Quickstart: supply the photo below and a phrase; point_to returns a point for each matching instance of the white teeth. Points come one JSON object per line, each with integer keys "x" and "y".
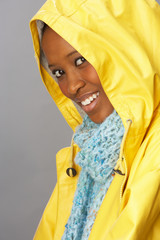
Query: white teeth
{"x": 90, "y": 99}
{"x": 87, "y": 101}
{"x": 84, "y": 103}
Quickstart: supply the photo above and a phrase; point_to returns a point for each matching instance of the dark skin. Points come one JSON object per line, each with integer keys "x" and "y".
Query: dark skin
{"x": 77, "y": 78}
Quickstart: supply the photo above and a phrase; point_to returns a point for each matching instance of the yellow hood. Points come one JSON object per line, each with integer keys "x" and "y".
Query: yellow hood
{"x": 121, "y": 39}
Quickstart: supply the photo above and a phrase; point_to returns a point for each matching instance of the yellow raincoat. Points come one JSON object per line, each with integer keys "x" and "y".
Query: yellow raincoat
{"x": 121, "y": 39}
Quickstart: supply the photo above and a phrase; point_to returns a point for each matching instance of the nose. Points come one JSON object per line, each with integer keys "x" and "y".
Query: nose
{"x": 75, "y": 82}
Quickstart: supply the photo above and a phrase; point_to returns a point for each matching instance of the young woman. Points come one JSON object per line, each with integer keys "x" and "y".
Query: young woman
{"x": 100, "y": 62}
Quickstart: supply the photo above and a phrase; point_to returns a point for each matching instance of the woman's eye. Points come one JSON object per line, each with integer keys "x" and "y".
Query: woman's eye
{"x": 58, "y": 73}
{"x": 79, "y": 61}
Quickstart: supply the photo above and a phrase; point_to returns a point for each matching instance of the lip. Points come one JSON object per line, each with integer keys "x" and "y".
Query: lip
{"x": 90, "y": 107}
{"x": 84, "y": 97}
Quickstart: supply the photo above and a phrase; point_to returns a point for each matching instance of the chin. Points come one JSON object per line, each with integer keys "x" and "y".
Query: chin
{"x": 100, "y": 117}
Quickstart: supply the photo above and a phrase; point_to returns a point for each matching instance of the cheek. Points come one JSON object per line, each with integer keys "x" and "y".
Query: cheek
{"x": 92, "y": 76}
{"x": 63, "y": 88}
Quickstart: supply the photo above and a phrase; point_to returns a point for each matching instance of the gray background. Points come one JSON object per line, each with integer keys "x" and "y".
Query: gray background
{"x": 32, "y": 129}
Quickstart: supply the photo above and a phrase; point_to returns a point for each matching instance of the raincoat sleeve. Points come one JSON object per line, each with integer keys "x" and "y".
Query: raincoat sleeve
{"x": 46, "y": 227}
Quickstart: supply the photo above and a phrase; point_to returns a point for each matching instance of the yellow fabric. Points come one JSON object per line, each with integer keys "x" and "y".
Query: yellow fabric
{"x": 121, "y": 39}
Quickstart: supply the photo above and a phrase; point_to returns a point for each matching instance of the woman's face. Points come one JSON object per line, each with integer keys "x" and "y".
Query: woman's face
{"x": 77, "y": 78}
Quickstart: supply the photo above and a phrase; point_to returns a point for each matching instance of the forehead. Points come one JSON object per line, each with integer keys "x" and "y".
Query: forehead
{"x": 54, "y": 43}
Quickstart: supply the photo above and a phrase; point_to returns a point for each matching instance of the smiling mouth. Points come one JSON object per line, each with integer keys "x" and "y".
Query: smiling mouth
{"x": 90, "y": 99}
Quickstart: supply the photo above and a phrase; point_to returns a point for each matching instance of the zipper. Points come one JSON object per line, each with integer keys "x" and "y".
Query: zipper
{"x": 124, "y": 180}
{"x": 129, "y": 122}
{"x": 119, "y": 168}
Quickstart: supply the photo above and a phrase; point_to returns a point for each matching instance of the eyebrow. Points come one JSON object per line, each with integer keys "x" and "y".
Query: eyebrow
{"x": 68, "y": 55}
{"x": 71, "y": 53}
